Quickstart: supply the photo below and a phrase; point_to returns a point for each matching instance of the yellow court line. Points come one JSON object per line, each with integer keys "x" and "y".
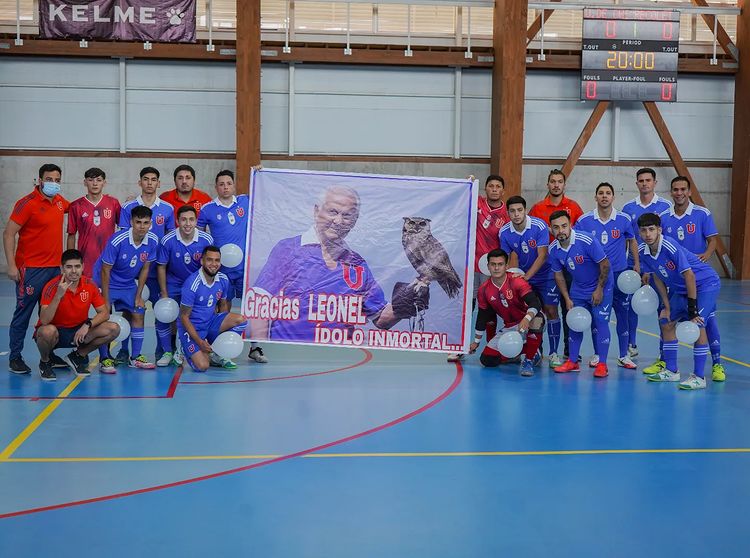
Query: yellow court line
{"x": 735, "y": 361}
{"x": 41, "y": 417}
{"x": 378, "y": 454}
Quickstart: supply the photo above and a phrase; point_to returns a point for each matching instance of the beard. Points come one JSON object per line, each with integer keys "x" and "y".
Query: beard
{"x": 209, "y": 273}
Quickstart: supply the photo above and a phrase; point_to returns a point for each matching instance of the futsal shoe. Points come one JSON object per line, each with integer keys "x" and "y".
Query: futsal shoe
{"x": 632, "y": 351}
{"x": 717, "y": 372}
{"x": 656, "y": 367}
{"x": 594, "y": 361}
{"x": 141, "y": 362}
{"x": 77, "y": 363}
{"x": 19, "y": 366}
{"x": 256, "y": 354}
{"x": 122, "y": 357}
{"x": 165, "y": 360}
{"x": 626, "y": 362}
{"x": 555, "y": 360}
{"x": 45, "y": 370}
{"x": 664, "y": 376}
{"x": 107, "y": 366}
{"x": 527, "y": 368}
{"x": 218, "y": 362}
{"x": 537, "y": 358}
{"x": 693, "y": 382}
{"x": 455, "y": 357}
{"x": 601, "y": 370}
{"x": 567, "y": 366}
{"x": 178, "y": 357}
{"x": 57, "y": 362}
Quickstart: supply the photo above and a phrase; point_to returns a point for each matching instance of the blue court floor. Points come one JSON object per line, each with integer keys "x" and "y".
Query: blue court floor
{"x": 349, "y": 453}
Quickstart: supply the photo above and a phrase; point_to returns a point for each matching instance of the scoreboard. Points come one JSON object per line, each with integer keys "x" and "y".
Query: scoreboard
{"x": 629, "y": 55}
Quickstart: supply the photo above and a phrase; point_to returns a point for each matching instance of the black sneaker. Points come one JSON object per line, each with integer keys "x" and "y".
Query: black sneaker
{"x": 78, "y": 364}
{"x": 18, "y": 366}
{"x": 45, "y": 369}
{"x": 56, "y": 361}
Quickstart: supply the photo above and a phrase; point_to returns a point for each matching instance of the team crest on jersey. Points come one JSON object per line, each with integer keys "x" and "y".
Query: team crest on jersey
{"x": 197, "y": 256}
{"x": 532, "y": 243}
{"x": 84, "y": 296}
{"x": 615, "y": 233}
{"x": 160, "y": 219}
{"x": 690, "y": 228}
{"x": 29, "y": 291}
{"x": 509, "y": 294}
{"x": 240, "y": 212}
{"x": 107, "y": 213}
{"x": 359, "y": 272}
{"x": 218, "y": 295}
{"x": 230, "y": 218}
{"x": 59, "y": 205}
{"x": 524, "y": 248}
{"x": 499, "y": 223}
{"x": 191, "y": 348}
{"x": 579, "y": 259}
{"x": 186, "y": 258}
{"x": 143, "y": 256}
{"x": 671, "y": 265}
{"x": 571, "y": 265}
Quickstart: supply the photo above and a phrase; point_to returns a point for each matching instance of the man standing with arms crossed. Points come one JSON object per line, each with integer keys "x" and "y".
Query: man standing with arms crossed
{"x": 37, "y": 220}
{"x": 93, "y": 217}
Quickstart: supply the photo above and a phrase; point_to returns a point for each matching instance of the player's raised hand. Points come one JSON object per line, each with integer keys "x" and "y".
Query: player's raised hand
{"x": 63, "y": 286}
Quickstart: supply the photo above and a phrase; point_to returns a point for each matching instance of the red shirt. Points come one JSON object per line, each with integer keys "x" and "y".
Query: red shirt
{"x": 506, "y": 301}
{"x": 197, "y": 199}
{"x": 545, "y": 208}
{"x": 95, "y": 224}
{"x": 73, "y": 309}
{"x": 40, "y": 239}
{"x": 489, "y": 223}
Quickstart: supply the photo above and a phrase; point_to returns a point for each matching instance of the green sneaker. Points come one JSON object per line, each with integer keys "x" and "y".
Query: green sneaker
{"x": 656, "y": 367}
{"x": 107, "y": 366}
{"x": 693, "y": 382}
{"x": 717, "y": 372}
{"x": 219, "y": 362}
{"x": 664, "y": 376}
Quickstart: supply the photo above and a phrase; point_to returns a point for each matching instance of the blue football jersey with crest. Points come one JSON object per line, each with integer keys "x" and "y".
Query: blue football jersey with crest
{"x": 126, "y": 258}
{"x": 612, "y": 234}
{"x": 525, "y": 244}
{"x": 581, "y": 258}
{"x": 692, "y": 229}
{"x": 202, "y": 296}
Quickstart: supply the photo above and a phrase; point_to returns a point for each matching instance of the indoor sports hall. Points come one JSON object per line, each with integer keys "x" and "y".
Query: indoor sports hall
{"x": 377, "y": 406}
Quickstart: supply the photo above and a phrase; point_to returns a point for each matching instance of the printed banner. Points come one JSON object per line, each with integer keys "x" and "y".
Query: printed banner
{"x": 359, "y": 260}
{"x": 167, "y": 21}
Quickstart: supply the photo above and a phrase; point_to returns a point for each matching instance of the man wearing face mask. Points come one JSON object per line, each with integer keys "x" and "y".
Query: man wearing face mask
{"x": 31, "y": 263}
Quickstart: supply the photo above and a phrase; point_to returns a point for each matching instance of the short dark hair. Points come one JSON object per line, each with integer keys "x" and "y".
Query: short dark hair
{"x": 497, "y": 253}
{"x": 680, "y": 179}
{"x": 210, "y": 248}
{"x": 186, "y": 209}
{"x": 648, "y": 220}
{"x": 49, "y": 167}
{"x": 71, "y": 254}
{"x": 225, "y": 172}
{"x": 603, "y": 185}
{"x": 95, "y": 172}
{"x": 514, "y": 200}
{"x": 183, "y": 168}
{"x": 497, "y": 177}
{"x": 141, "y": 211}
{"x": 149, "y": 170}
{"x": 553, "y": 172}
{"x": 557, "y": 214}
{"x": 645, "y": 170}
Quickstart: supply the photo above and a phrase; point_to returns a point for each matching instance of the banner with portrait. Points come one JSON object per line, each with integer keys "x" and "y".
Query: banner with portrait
{"x": 357, "y": 260}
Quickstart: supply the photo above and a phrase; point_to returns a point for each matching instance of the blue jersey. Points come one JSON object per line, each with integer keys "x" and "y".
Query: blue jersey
{"x": 181, "y": 258}
{"x": 581, "y": 257}
{"x": 692, "y": 229}
{"x": 126, "y": 258}
{"x": 525, "y": 244}
{"x": 613, "y": 234}
{"x": 162, "y": 217}
{"x": 634, "y": 209}
{"x": 296, "y": 267}
{"x": 228, "y": 225}
{"x": 671, "y": 261}
{"x": 202, "y": 296}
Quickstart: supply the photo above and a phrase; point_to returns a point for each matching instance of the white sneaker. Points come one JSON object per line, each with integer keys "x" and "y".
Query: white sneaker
{"x": 594, "y": 361}
{"x": 555, "y": 360}
{"x": 693, "y": 382}
{"x": 664, "y": 376}
{"x": 165, "y": 360}
{"x": 632, "y": 351}
{"x": 455, "y": 357}
{"x": 256, "y": 354}
{"x": 141, "y": 362}
{"x": 626, "y": 362}
{"x": 178, "y": 357}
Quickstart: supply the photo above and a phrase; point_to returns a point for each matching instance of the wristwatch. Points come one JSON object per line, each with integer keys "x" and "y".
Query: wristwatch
{"x": 88, "y": 322}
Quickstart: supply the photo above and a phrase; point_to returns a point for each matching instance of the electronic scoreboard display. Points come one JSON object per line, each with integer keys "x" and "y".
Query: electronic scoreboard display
{"x": 629, "y": 55}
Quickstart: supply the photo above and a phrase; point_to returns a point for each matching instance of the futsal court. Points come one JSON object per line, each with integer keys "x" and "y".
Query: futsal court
{"x": 348, "y": 452}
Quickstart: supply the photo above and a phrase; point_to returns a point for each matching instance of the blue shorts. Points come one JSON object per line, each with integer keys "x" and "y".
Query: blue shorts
{"x": 706, "y": 305}
{"x": 601, "y": 311}
{"x": 124, "y": 300}
{"x": 547, "y": 291}
{"x": 65, "y": 337}
{"x": 208, "y": 331}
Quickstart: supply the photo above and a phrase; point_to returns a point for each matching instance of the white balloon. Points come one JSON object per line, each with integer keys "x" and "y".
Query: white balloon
{"x": 124, "y": 326}
{"x": 228, "y": 345}
{"x": 516, "y": 271}
{"x": 629, "y": 282}
{"x": 688, "y": 332}
{"x": 482, "y": 265}
{"x": 231, "y": 255}
{"x": 510, "y": 344}
{"x": 578, "y": 318}
{"x": 645, "y": 301}
{"x": 166, "y": 310}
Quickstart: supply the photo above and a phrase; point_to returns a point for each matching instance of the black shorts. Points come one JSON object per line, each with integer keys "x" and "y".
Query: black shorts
{"x": 65, "y": 337}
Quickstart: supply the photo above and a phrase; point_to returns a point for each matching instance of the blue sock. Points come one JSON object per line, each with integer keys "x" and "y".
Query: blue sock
{"x": 136, "y": 337}
{"x": 576, "y": 338}
{"x": 714, "y": 339}
{"x": 160, "y": 345}
{"x": 164, "y": 335}
{"x": 104, "y": 352}
{"x": 623, "y": 335}
{"x": 601, "y": 326}
{"x": 700, "y": 354}
{"x": 670, "y": 355}
{"x": 553, "y": 332}
{"x": 661, "y": 349}
{"x": 632, "y": 326}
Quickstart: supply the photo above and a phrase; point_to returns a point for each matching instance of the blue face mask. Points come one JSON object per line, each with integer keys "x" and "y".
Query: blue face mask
{"x": 50, "y": 189}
